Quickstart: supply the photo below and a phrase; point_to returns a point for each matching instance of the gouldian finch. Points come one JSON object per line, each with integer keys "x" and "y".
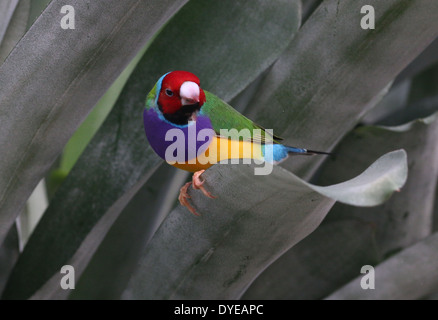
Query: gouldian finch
{"x": 177, "y": 107}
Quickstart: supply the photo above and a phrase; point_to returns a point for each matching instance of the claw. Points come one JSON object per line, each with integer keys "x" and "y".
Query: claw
{"x": 183, "y": 198}
{"x": 197, "y": 183}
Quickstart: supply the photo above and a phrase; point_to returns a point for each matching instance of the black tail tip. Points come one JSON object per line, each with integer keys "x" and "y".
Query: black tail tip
{"x": 313, "y": 152}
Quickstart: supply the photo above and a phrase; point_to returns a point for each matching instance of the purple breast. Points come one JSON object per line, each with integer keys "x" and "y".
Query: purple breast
{"x": 177, "y": 143}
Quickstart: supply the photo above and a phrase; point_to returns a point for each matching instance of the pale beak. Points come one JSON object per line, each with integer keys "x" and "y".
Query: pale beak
{"x": 189, "y": 93}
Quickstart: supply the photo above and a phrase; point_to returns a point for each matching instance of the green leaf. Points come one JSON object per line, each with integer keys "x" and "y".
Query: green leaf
{"x": 424, "y": 85}
{"x": 401, "y": 221}
{"x": 336, "y": 251}
{"x": 321, "y": 86}
{"x": 36, "y": 8}
{"x": 7, "y": 9}
{"x": 35, "y": 207}
{"x": 110, "y": 268}
{"x": 425, "y": 60}
{"x": 410, "y": 274}
{"x": 89, "y": 127}
{"x": 9, "y": 252}
{"x": 13, "y": 16}
{"x": 422, "y": 100}
{"x": 394, "y": 101}
{"x": 309, "y": 7}
{"x": 83, "y": 135}
{"x": 43, "y": 81}
{"x": 407, "y": 216}
{"x": 253, "y": 220}
{"x": 118, "y": 160}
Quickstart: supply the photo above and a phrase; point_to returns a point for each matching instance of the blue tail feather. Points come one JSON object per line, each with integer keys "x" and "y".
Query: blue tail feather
{"x": 277, "y": 152}
{"x": 295, "y": 150}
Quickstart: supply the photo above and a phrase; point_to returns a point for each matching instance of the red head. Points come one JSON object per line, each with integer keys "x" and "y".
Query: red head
{"x": 180, "y": 90}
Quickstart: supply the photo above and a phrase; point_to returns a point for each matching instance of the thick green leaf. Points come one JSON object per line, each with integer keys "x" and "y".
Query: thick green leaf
{"x": 395, "y": 229}
{"x": 53, "y": 78}
{"x": 82, "y": 136}
{"x": 336, "y": 251}
{"x": 13, "y": 22}
{"x": 308, "y": 7}
{"x": 421, "y": 109}
{"x": 406, "y": 217}
{"x": 422, "y": 99}
{"x": 227, "y": 44}
{"x": 9, "y": 251}
{"x": 410, "y": 274}
{"x": 108, "y": 272}
{"x": 253, "y": 220}
{"x": 7, "y": 9}
{"x": 241, "y": 101}
{"x": 35, "y": 207}
{"x": 89, "y": 127}
{"x": 36, "y": 8}
{"x": 394, "y": 101}
{"x": 322, "y": 84}
{"x": 424, "y": 85}
{"x": 426, "y": 59}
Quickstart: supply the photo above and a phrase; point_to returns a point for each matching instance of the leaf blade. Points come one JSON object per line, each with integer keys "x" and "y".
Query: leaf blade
{"x": 238, "y": 234}
{"x": 401, "y": 221}
{"x": 14, "y": 22}
{"x": 304, "y": 85}
{"x": 399, "y": 276}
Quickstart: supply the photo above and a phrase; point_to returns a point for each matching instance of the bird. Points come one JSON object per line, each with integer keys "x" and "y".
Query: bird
{"x": 178, "y": 111}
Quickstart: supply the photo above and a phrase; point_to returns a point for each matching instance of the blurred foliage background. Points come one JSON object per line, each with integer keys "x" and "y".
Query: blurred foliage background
{"x": 79, "y": 184}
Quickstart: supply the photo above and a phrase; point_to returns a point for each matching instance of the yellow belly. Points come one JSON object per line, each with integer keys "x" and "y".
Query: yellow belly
{"x": 222, "y": 149}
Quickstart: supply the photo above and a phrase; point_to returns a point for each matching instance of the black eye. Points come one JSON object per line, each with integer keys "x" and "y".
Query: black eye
{"x": 169, "y": 92}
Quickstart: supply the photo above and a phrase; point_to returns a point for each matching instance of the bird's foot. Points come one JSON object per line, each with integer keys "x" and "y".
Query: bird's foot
{"x": 197, "y": 183}
{"x": 184, "y": 196}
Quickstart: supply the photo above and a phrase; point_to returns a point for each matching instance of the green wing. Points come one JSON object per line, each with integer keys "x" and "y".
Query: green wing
{"x": 224, "y": 116}
{"x": 150, "y": 98}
